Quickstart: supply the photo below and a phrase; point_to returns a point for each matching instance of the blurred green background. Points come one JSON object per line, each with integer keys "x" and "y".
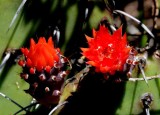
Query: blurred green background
{"x": 39, "y": 18}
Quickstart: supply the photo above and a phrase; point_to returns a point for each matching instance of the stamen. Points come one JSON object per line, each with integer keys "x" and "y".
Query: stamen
{"x": 133, "y": 51}
{"x": 53, "y": 77}
{"x": 106, "y": 76}
{"x": 129, "y": 61}
{"x": 48, "y": 69}
{"x": 32, "y": 71}
{"x": 35, "y": 85}
{"x": 47, "y": 89}
{"x": 24, "y": 76}
{"x": 62, "y": 74}
{"x": 21, "y": 63}
{"x": 118, "y": 80}
{"x": 129, "y": 74}
{"x": 56, "y": 93}
{"x": 80, "y": 61}
{"x": 135, "y": 62}
{"x": 56, "y": 78}
{"x": 42, "y": 77}
{"x": 157, "y": 54}
{"x": 56, "y": 65}
{"x": 63, "y": 60}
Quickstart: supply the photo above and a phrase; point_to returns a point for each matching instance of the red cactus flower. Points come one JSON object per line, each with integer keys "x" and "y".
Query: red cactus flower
{"x": 106, "y": 52}
{"x": 41, "y": 55}
{"x": 44, "y": 68}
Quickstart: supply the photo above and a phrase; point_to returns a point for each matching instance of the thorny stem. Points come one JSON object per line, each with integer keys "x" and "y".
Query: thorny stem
{"x": 25, "y": 108}
{"x": 70, "y": 65}
{"x": 17, "y": 12}
{"x": 155, "y": 12}
{"x": 151, "y": 40}
{"x": 130, "y": 79}
{"x": 136, "y": 20}
{"x": 5, "y": 59}
{"x": 79, "y": 76}
{"x": 146, "y": 100}
{"x": 3, "y": 95}
{"x": 58, "y": 106}
{"x": 147, "y": 111}
{"x": 142, "y": 79}
{"x": 142, "y": 71}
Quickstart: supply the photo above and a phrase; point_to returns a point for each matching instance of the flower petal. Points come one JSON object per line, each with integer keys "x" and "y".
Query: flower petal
{"x": 50, "y": 42}
{"x": 106, "y": 52}
{"x": 41, "y": 54}
{"x": 88, "y": 38}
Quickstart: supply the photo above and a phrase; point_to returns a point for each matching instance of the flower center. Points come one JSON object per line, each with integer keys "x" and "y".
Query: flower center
{"x": 105, "y": 52}
{"x": 108, "y": 50}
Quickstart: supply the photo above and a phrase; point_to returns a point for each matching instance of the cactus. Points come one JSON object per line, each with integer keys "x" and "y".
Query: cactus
{"x": 51, "y": 65}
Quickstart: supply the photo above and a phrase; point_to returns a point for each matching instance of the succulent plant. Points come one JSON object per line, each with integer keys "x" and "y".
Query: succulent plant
{"x": 65, "y": 71}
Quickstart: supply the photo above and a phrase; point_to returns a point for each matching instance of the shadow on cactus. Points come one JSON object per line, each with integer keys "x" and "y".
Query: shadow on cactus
{"x": 94, "y": 79}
